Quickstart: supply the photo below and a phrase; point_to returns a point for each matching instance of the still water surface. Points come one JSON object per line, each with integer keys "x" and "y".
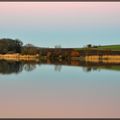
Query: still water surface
{"x": 59, "y": 91}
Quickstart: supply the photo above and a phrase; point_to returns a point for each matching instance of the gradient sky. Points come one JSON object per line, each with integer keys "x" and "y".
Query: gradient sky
{"x": 69, "y": 24}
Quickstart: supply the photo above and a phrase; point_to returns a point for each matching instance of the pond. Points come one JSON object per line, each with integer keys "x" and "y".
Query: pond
{"x": 58, "y": 91}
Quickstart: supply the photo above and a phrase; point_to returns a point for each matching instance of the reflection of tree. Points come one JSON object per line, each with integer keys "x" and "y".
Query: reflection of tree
{"x": 91, "y": 68}
{"x": 29, "y": 67}
{"x": 8, "y": 67}
{"x": 87, "y": 69}
{"x": 58, "y": 68}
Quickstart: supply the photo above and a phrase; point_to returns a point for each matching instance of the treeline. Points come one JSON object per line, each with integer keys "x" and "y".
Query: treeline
{"x": 9, "y": 46}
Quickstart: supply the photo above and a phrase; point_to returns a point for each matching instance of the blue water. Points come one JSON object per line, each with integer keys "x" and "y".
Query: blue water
{"x": 65, "y": 92}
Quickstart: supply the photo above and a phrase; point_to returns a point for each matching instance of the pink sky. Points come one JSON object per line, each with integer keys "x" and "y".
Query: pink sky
{"x": 54, "y": 22}
{"x": 59, "y": 13}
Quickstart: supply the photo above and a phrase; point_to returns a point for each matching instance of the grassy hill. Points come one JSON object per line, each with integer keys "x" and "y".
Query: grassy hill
{"x": 104, "y": 47}
{"x": 111, "y": 47}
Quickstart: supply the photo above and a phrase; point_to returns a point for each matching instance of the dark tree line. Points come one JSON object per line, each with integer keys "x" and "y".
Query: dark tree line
{"x": 10, "y": 46}
{"x": 30, "y": 49}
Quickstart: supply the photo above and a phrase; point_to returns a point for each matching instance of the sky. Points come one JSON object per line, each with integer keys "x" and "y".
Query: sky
{"x": 69, "y": 24}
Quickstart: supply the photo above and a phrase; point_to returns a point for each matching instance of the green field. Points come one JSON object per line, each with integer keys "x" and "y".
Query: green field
{"x": 105, "y": 47}
{"x": 111, "y": 47}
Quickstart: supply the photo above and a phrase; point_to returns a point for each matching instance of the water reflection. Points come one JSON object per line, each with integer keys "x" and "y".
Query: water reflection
{"x": 29, "y": 67}
{"x": 52, "y": 89}
{"x": 9, "y": 67}
{"x": 58, "y": 68}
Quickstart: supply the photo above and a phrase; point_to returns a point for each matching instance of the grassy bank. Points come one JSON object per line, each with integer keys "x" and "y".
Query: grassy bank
{"x": 18, "y": 57}
{"x": 104, "y": 47}
{"x": 90, "y": 58}
{"x": 110, "y": 47}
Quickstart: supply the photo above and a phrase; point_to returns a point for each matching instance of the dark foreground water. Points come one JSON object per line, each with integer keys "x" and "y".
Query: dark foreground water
{"x": 43, "y": 90}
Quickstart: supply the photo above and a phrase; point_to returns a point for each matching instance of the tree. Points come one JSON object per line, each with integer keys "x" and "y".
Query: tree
{"x": 57, "y": 46}
{"x": 19, "y": 44}
{"x": 30, "y": 49}
{"x": 89, "y": 45}
{"x": 10, "y": 45}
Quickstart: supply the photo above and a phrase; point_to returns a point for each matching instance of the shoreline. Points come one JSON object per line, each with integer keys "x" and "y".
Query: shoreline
{"x": 87, "y": 58}
{"x": 98, "y": 58}
{"x": 18, "y": 57}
